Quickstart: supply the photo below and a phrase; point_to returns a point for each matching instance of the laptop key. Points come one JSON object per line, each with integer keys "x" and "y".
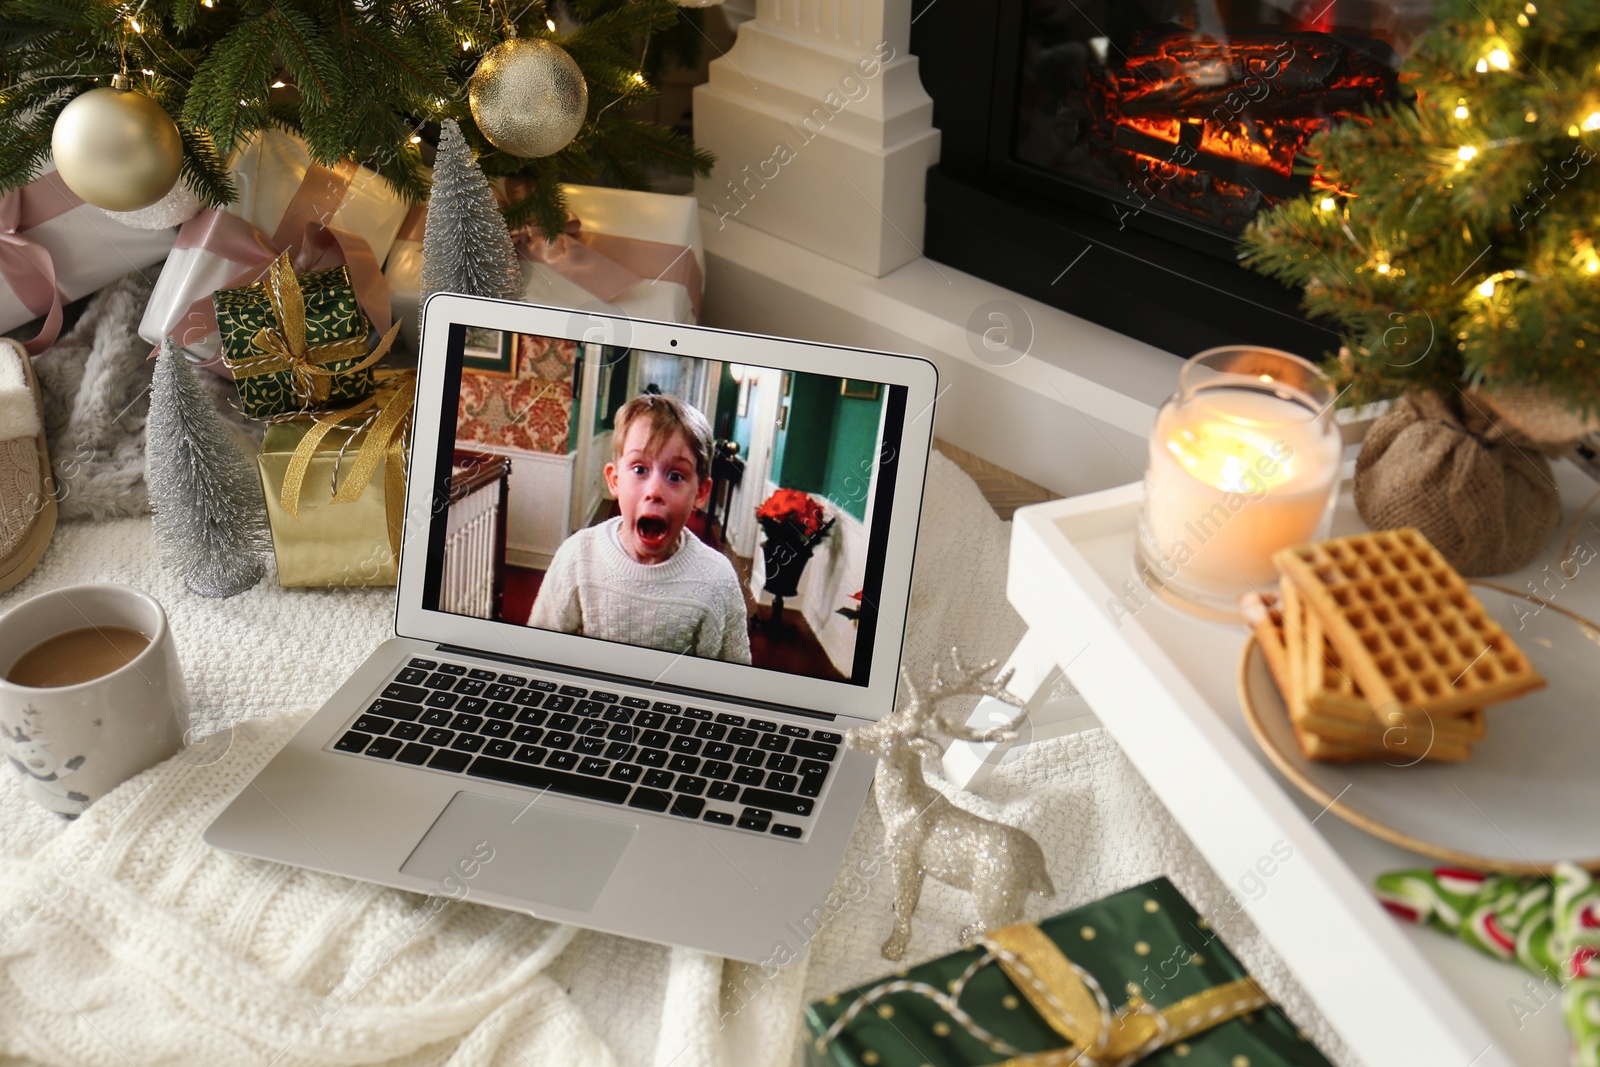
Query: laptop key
{"x": 395, "y": 709}
{"x": 556, "y": 781}
{"x": 467, "y": 742}
{"x": 529, "y": 734}
{"x": 765, "y": 798}
{"x": 649, "y": 720}
{"x": 749, "y": 757}
{"x": 653, "y": 757}
{"x": 466, "y": 722}
{"x": 589, "y": 707}
{"x": 562, "y": 761}
{"x": 680, "y": 724}
{"x": 658, "y": 779}
{"x": 604, "y": 698}
{"x": 794, "y": 731}
{"x": 650, "y": 799}
{"x": 439, "y": 681}
{"x": 531, "y": 698}
{"x": 718, "y": 750}
{"x": 711, "y": 731}
{"x": 563, "y": 722}
{"x": 353, "y": 741}
{"x": 813, "y": 750}
{"x": 616, "y": 714}
{"x": 763, "y": 725}
{"x": 688, "y": 807}
{"x": 589, "y": 746}
{"x": 438, "y": 736}
{"x": 412, "y": 676}
{"x": 496, "y": 728}
{"x": 441, "y": 700}
{"x": 557, "y": 702}
{"x": 691, "y": 784}
{"x": 716, "y": 769}
{"x": 813, "y": 769}
{"x": 425, "y": 664}
{"x": 437, "y": 717}
{"x": 624, "y": 733}
{"x": 407, "y": 731}
{"x": 498, "y": 692}
{"x": 621, "y": 750}
{"x": 515, "y": 681}
{"x": 558, "y": 739}
{"x": 410, "y": 694}
{"x": 698, "y": 713}
{"x": 530, "y": 754}
{"x": 783, "y": 783}
{"x": 730, "y": 720}
{"x": 743, "y": 738}
{"x": 482, "y": 675}
{"x": 541, "y": 685}
{"x": 724, "y": 791}
{"x": 665, "y": 708}
{"x": 635, "y": 702}
{"x": 749, "y": 775}
{"x": 827, "y": 737}
{"x": 446, "y": 760}
{"x": 469, "y": 687}
{"x": 452, "y": 668}
{"x": 774, "y": 743}
{"x": 372, "y": 724}
{"x": 781, "y": 761}
{"x": 501, "y": 710}
{"x": 684, "y": 764}
{"x": 593, "y": 727}
{"x": 755, "y": 819}
{"x": 384, "y": 747}
{"x": 691, "y": 745}
{"x": 414, "y": 753}
{"x": 500, "y": 748}
{"x": 532, "y": 716}
{"x": 780, "y": 830}
{"x": 721, "y": 818}
{"x": 655, "y": 738}
{"x": 574, "y": 691}
{"x": 595, "y": 766}
{"x": 626, "y": 772}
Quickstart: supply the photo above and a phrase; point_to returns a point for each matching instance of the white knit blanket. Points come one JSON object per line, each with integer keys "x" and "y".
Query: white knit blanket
{"x": 124, "y": 940}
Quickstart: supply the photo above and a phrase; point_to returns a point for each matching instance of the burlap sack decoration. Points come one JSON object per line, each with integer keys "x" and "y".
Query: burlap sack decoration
{"x": 1483, "y": 495}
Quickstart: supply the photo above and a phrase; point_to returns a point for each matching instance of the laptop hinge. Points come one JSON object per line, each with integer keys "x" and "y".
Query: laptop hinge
{"x": 634, "y": 683}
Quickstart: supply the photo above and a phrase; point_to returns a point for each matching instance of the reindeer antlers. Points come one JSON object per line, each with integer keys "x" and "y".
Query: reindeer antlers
{"x": 966, "y": 680}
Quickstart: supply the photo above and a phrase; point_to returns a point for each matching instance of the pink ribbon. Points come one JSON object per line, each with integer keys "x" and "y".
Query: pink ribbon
{"x": 303, "y": 232}
{"x": 26, "y": 265}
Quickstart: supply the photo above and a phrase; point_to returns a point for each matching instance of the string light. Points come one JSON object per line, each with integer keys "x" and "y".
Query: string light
{"x": 551, "y": 23}
{"x": 279, "y": 84}
{"x": 133, "y": 24}
{"x": 1531, "y": 116}
{"x": 208, "y": 3}
{"x": 638, "y": 77}
{"x": 1593, "y": 121}
{"x": 466, "y": 46}
{"x": 1483, "y": 66}
{"x": 1328, "y": 203}
{"x": 416, "y": 138}
{"x": 1499, "y": 59}
{"x": 1573, "y": 131}
{"x": 1466, "y": 152}
{"x": 1530, "y": 9}
{"x": 1486, "y": 287}
{"x": 1461, "y": 109}
{"x": 1382, "y": 268}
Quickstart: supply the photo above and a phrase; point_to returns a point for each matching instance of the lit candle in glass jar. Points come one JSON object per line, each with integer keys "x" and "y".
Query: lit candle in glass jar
{"x": 1243, "y": 461}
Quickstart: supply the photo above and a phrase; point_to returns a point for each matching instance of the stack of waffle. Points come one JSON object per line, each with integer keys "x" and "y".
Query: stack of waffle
{"x": 1381, "y": 651}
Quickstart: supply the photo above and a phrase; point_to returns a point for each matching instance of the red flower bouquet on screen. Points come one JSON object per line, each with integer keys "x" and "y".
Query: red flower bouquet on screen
{"x": 793, "y": 524}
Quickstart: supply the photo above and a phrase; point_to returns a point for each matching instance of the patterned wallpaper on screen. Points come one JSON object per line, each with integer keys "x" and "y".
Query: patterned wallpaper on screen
{"x": 529, "y": 411}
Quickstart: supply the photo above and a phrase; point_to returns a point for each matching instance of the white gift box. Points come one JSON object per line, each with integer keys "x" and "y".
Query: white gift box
{"x": 267, "y": 173}
{"x": 87, "y": 248}
{"x": 669, "y": 293}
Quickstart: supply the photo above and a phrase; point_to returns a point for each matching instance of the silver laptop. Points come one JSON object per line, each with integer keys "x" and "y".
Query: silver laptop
{"x": 618, "y": 697}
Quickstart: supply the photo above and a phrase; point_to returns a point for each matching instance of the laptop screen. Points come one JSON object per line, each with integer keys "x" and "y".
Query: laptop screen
{"x": 666, "y": 501}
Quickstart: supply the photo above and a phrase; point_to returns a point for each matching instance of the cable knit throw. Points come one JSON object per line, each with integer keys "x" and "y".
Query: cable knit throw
{"x": 126, "y": 942}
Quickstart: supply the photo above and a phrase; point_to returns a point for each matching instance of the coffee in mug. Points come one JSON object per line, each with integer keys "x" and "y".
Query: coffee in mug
{"x": 91, "y": 692}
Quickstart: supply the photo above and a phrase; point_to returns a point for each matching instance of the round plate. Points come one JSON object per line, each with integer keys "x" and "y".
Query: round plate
{"x": 1526, "y": 798}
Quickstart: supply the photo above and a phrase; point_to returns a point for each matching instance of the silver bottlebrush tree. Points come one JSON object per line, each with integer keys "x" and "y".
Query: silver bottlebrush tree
{"x": 466, "y": 247}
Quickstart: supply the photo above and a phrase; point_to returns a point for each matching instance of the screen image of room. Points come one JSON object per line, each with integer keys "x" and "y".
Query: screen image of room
{"x": 790, "y": 506}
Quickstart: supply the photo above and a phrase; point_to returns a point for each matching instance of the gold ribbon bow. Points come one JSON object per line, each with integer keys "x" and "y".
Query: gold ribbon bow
{"x": 282, "y": 346}
{"x": 1071, "y": 1001}
{"x": 385, "y": 414}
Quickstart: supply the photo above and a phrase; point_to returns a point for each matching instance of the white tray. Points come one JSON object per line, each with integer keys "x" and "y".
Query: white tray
{"x": 1163, "y": 683}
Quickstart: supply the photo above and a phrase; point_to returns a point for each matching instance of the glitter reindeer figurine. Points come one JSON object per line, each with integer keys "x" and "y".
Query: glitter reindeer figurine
{"x": 925, "y": 833}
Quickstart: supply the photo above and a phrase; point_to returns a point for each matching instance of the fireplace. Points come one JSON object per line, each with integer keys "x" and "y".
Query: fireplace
{"x": 1103, "y": 156}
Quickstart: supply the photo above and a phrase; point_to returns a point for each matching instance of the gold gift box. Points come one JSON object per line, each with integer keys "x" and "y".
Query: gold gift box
{"x": 344, "y": 544}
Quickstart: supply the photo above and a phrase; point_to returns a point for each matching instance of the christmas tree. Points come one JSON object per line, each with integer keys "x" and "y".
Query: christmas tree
{"x": 1455, "y": 239}
{"x": 465, "y": 245}
{"x": 357, "y": 79}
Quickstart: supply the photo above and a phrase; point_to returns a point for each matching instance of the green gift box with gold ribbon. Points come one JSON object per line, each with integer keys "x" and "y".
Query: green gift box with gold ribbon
{"x": 1136, "y": 978}
{"x": 295, "y": 343}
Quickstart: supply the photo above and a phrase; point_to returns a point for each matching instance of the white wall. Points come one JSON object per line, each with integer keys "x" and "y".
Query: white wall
{"x": 538, "y": 499}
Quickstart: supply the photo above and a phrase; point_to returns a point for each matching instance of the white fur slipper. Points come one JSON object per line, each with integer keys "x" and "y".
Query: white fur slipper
{"x": 27, "y": 492}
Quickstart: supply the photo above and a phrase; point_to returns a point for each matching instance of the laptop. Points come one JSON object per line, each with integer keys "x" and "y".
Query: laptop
{"x": 661, "y": 755}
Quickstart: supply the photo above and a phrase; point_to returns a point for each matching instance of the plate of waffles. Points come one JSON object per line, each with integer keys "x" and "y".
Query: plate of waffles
{"x": 1456, "y": 719}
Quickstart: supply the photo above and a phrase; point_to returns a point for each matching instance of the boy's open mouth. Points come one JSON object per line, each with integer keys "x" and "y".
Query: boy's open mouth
{"x": 651, "y": 531}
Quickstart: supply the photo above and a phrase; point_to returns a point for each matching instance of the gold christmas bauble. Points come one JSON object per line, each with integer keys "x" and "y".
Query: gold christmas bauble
{"x": 528, "y": 97}
{"x": 118, "y": 150}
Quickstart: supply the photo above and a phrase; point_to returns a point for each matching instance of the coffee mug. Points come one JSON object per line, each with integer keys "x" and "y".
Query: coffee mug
{"x": 91, "y": 692}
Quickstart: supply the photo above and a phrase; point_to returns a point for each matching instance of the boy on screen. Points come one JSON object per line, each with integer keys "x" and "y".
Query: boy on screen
{"x": 642, "y": 578}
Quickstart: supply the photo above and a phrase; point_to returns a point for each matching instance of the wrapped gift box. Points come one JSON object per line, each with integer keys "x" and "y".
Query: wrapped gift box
{"x": 280, "y": 191}
{"x": 327, "y": 544}
{"x": 1145, "y": 943}
{"x": 86, "y": 248}
{"x": 334, "y": 324}
{"x": 660, "y": 228}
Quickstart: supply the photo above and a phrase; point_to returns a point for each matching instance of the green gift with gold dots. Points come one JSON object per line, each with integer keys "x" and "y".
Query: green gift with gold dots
{"x": 295, "y": 343}
{"x": 1135, "y": 978}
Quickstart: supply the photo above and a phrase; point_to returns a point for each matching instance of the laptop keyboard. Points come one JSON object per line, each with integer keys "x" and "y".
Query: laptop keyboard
{"x": 750, "y": 773}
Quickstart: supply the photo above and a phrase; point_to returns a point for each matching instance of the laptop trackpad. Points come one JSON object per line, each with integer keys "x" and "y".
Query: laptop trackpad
{"x": 525, "y": 851}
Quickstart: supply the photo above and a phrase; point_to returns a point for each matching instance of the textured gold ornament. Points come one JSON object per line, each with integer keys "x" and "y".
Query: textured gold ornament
{"x": 118, "y": 150}
{"x": 528, "y": 97}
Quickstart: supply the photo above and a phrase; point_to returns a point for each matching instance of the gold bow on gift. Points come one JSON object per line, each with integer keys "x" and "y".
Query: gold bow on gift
{"x": 282, "y": 346}
{"x": 1070, "y": 999}
{"x": 385, "y": 415}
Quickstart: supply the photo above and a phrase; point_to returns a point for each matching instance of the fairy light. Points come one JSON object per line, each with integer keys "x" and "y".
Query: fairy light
{"x": 550, "y": 24}
{"x": 466, "y": 46}
{"x": 638, "y": 78}
{"x": 1486, "y": 287}
{"x": 279, "y": 84}
{"x": 1461, "y": 109}
{"x": 147, "y": 72}
{"x": 1522, "y": 20}
{"x": 1499, "y": 59}
{"x": 1328, "y": 203}
{"x": 1532, "y": 116}
{"x": 1466, "y": 153}
{"x": 1593, "y": 121}
{"x": 135, "y": 26}
{"x": 208, "y": 3}
{"x": 1573, "y": 131}
{"x": 1530, "y": 9}
{"x": 1383, "y": 268}
{"x": 416, "y": 138}
{"x": 1483, "y": 66}
{"x": 1593, "y": 266}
